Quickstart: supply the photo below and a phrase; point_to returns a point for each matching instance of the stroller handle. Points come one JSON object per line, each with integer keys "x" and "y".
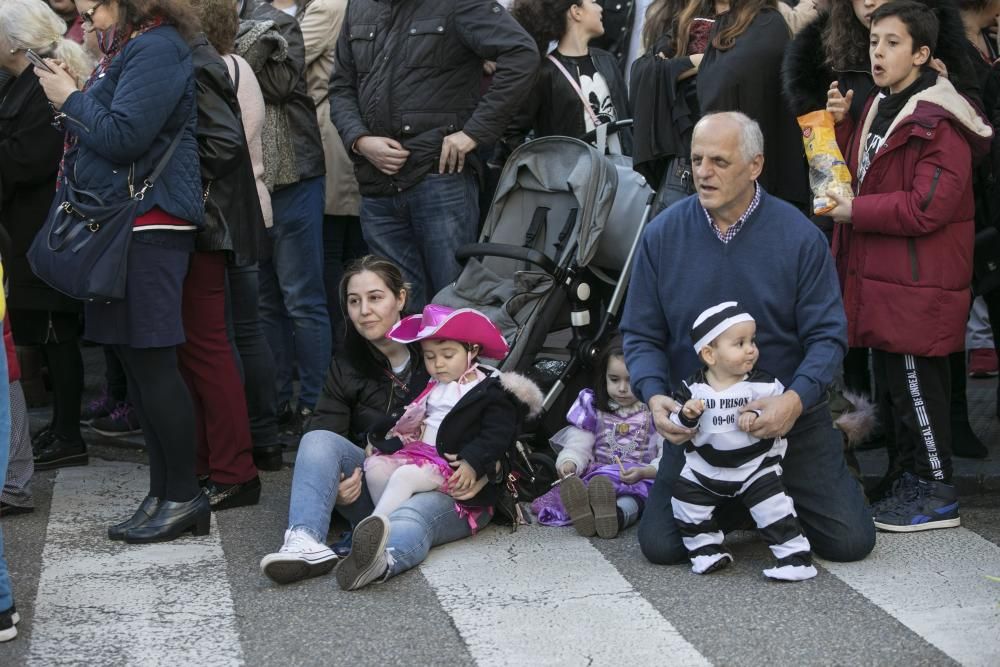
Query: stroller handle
{"x": 508, "y": 252}
{"x": 613, "y": 127}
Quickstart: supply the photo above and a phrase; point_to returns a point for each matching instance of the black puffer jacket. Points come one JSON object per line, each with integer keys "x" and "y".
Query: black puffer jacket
{"x": 30, "y": 149}
{"x": 806, "y": 76}
{"x": 359, "y": 395}
{"x": 284, "y": 83}
{"x": 233, "y": 218}
{"x": 411, "y": 70}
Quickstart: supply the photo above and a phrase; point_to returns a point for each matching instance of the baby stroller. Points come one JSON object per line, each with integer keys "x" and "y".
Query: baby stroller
{"x": 550, "y": 269}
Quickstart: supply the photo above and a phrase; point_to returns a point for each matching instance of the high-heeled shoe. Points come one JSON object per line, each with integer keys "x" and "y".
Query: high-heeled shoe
{"x": 141, "y": 516}
{"x": 173, "y": 519}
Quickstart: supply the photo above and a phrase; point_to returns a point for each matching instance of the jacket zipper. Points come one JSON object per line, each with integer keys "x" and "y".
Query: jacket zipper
{"x": 930, "y": 195}
{"x": 911, "y": 246}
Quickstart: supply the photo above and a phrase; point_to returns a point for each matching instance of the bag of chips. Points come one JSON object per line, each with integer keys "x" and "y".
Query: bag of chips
{"x": 827, "y": 170}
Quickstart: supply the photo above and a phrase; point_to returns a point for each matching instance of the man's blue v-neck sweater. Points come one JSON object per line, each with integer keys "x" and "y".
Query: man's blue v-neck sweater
{"x": 778, "y": 267}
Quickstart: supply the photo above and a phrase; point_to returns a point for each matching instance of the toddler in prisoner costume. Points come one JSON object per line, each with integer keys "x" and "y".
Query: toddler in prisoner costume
{"x": 723, "y": 460}
{"x": 461, "y": 424}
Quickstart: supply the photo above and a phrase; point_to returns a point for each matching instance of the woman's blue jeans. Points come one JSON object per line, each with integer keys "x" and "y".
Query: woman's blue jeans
{"x": 424, "y": 521}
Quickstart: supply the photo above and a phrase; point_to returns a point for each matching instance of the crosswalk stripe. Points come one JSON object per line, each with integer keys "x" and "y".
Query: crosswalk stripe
{"x": 546, "y": 596}
{"x": 935, "y": 583}
{"x": 104, "y": 602}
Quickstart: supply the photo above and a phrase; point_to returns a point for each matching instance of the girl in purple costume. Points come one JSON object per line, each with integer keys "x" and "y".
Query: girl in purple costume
{"x": 609, "y": 457}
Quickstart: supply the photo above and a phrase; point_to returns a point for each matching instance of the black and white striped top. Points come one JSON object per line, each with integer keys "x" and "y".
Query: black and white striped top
{"x": 720, "y": 455}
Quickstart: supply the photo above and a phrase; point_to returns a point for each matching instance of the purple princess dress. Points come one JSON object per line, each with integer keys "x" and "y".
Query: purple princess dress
{"x": 596, "y": 441}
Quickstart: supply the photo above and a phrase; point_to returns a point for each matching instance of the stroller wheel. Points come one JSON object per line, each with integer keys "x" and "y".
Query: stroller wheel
{"x": 544, "y": 474}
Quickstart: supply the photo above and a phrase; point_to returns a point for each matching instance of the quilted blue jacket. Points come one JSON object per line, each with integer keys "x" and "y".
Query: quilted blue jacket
{"x": 130, "y": 115}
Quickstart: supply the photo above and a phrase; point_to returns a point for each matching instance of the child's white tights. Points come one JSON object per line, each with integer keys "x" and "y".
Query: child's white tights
{"x": 391, "y": 484}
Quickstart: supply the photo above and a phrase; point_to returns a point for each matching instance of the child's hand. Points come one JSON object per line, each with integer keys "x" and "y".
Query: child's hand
{"x": 567, "y": 469}
{"x": 464, "y": 476}
{"x": 693, "y": 408}
{"x": 844, "y": 209}
{"x": 746, "y": 420}
{"x": 633, "y": 475}
{"x": 838, "y": 104}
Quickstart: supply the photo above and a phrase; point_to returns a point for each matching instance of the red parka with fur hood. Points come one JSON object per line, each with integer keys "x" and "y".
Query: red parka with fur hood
{"x": 905, "y": 260}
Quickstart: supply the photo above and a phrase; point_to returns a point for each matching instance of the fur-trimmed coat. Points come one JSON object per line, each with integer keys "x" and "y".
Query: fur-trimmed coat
{"x": 806, "y": 76}
{"x": 483, "y": 425}
{"x": 905, "y": 259}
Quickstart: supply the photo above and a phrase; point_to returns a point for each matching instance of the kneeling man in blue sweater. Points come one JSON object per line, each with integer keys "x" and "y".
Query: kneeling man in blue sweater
{"x": 734, "y": 242}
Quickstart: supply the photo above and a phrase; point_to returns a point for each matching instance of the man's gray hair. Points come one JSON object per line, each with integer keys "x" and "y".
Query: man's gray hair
{"x": 751, "y": 138}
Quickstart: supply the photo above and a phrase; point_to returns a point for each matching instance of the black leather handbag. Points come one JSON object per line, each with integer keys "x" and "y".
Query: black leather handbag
{"x": 82, "y": 249}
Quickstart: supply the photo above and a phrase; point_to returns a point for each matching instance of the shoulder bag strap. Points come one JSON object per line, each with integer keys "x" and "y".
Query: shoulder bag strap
{"x": 236, "y": 74}
{"x": 576, "y": 87}
{"x": 161, "y": 165}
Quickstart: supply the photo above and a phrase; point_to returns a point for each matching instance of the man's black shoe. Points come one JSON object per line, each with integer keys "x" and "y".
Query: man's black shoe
{"x": 227, "y": 496}
{"x": 267, "y": 457}
{"x": 60, "y": 453}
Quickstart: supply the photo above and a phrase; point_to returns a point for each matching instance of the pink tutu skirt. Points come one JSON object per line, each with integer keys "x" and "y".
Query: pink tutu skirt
{"x": 422, "y": 454}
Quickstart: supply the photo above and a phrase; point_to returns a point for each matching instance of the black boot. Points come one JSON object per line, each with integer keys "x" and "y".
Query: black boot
{"x": 268, "y": 457}
{"x": 172, "y": 519}
{"x": 141, "y": 516}
{"x": 964, "y": 443}
{"x": 227, "y": 496}
{"x": 57, "y": 452}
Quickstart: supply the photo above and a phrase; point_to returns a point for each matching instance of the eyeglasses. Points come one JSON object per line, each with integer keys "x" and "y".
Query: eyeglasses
{"x": 88, "y": 16}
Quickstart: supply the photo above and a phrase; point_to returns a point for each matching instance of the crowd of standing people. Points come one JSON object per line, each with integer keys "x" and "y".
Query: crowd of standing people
{"x": 302, "y": 172}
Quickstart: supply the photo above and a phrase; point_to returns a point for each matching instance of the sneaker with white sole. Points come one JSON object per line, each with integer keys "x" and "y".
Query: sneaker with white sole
{"x": 122, "y": 421}
{"x": 932, "y": 505}
{"x": 368, "y": 559}
{"x": 300, "y": 557}
{"x": 8, "y": 624}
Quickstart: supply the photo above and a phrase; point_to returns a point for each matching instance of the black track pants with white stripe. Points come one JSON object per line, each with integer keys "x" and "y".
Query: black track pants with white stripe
{"x": 915, "y": 403}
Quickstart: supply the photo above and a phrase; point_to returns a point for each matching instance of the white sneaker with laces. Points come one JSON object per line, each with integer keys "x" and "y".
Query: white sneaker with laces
{"x": 368, "y": 560}
{"x": 300, "y": 557}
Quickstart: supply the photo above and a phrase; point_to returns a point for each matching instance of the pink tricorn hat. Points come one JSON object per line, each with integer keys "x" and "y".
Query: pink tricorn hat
{"x": 443, "y": 323}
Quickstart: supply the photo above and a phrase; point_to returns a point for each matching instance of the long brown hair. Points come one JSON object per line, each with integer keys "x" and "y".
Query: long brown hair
{"x": 739, "y": 17}
{"x": 661, "y": 19}
{"x": 178, "y": 13}
{"x": 220, "y": 23}
{"x": 845, "y": 38}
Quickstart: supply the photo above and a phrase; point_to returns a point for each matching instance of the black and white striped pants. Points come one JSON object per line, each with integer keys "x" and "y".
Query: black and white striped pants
{"x": 771, "y": 508}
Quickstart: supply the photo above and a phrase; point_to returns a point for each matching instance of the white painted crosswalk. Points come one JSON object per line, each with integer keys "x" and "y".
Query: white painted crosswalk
{"x": 540, "y": 596}
{"x": 101, "y": 602}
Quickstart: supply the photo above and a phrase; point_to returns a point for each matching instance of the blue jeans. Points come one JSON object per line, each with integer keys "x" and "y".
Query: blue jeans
{"x": 322, "y": 457}
{"x": 421, "y": 228}
{"x": 292, "y": 295}
{"x": 828, "y": 500}
{"x": 424, "y": 521}
{"x": 6, "y": 595}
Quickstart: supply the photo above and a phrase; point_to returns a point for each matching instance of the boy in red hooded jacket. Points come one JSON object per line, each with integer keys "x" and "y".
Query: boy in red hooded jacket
{"x": 903, "y": 248}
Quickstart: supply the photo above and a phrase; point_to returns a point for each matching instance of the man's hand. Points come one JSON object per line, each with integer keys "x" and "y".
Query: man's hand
{"x": 633, "y": 475}
{"x": 489, "y": 67}
{"x": 662, "y": 406}
{"x": 388, "y": 155}
{"x": 454, "y": 148}
{"x": 777, "y": 414}
{"x": 837, "y": 104}
{"x": 567, "y": 469}
{"x": 350, "y": 488}
{"x": 844, "y": 209}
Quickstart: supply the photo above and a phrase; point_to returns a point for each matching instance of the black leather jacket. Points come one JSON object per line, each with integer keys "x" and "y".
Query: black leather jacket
{"x": 285, "y": 83}
{"x": 618, "y": 18}
{"x": 233, "y": 218}
{"x": 411, "y": 70}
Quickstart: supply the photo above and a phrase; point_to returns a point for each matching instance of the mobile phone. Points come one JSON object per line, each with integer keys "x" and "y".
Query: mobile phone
{"x": 37, "y": 60}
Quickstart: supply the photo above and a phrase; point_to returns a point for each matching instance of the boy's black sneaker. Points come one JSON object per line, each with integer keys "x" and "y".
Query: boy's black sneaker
{"x": 903, "y": 489}
{"x": 8, "y": 624}
{"x": 931, "y": 505}
{"x": 60, "y": 453}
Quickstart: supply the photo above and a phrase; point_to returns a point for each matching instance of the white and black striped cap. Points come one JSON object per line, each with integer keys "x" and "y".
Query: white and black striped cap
{"x": 713, "y": 321}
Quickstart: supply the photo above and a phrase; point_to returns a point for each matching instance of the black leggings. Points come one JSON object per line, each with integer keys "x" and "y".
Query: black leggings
{"x": 162, "y": 401}
{"x": 66, "y": 373}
